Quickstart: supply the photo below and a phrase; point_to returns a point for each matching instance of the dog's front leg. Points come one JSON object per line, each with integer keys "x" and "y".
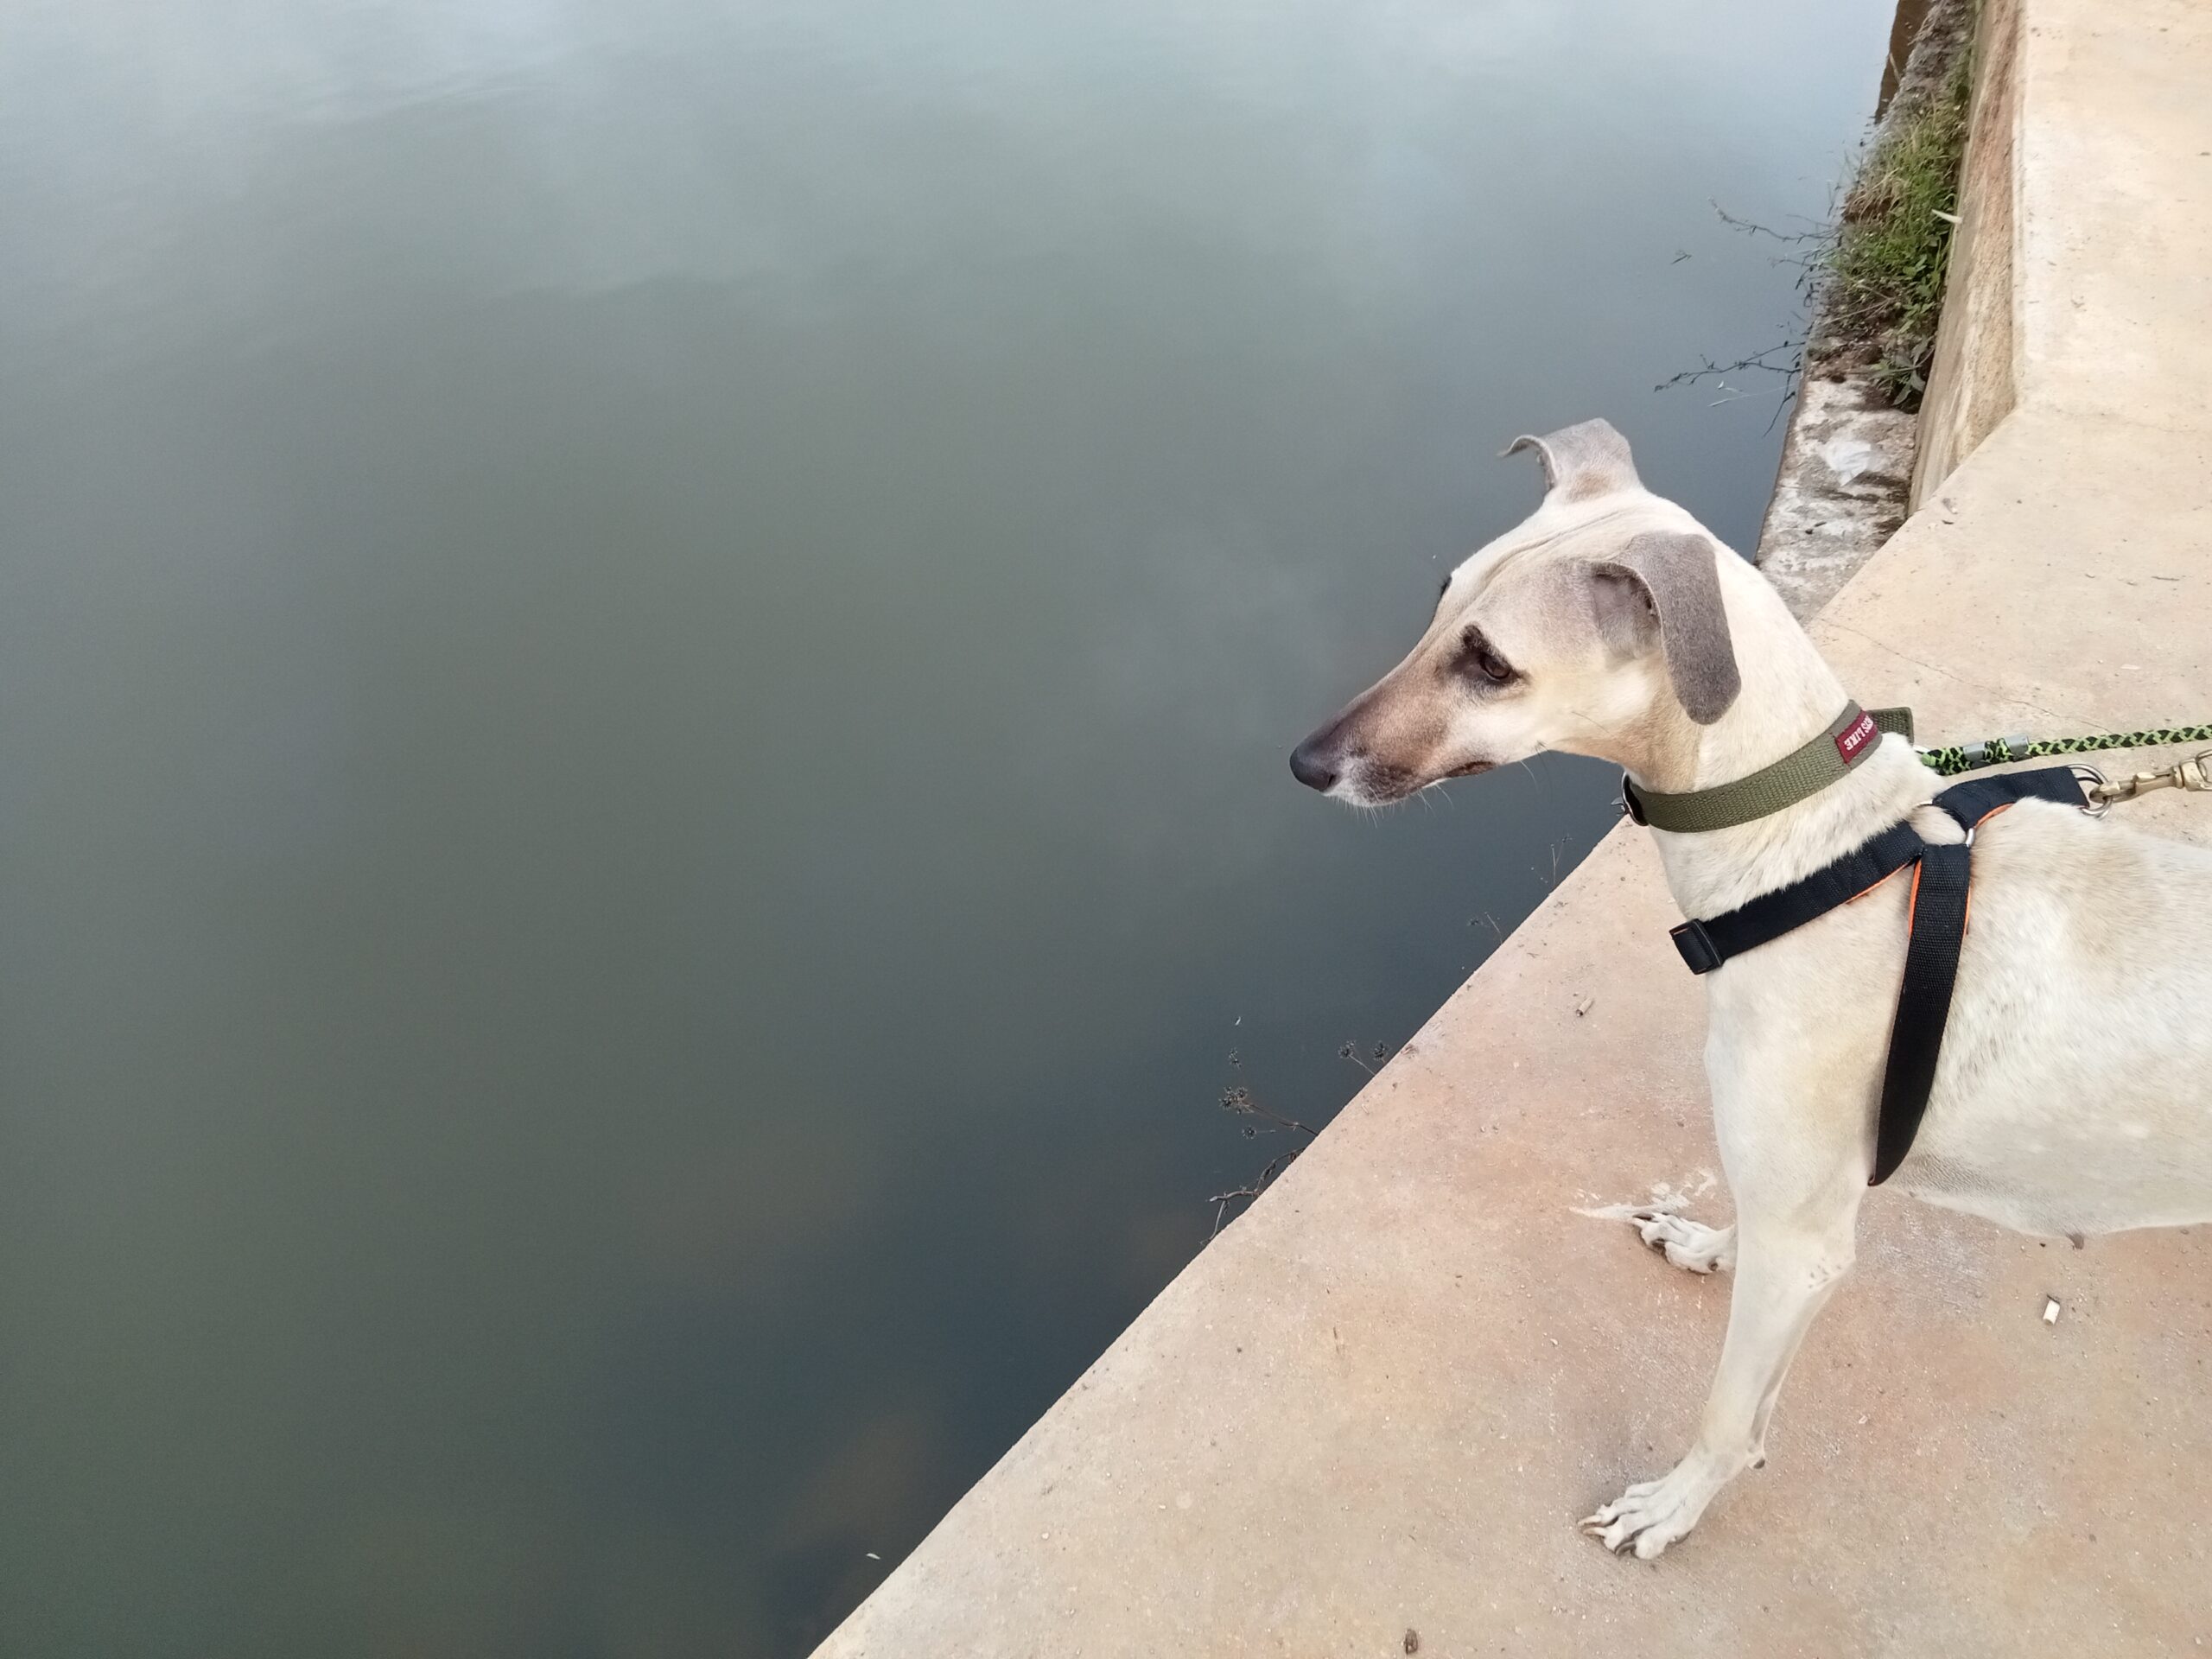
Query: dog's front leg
{"x": 1785, "y": 1270}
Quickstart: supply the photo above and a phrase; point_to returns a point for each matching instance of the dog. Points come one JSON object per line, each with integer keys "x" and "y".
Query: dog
{"x": 2073, "y": 1093}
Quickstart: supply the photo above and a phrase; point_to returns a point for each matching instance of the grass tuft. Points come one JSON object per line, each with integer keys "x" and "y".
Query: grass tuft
{"x": 1893, "y": 247}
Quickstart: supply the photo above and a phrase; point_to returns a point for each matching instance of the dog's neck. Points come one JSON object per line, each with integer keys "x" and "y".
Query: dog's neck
{"x": 1789, "y": 696}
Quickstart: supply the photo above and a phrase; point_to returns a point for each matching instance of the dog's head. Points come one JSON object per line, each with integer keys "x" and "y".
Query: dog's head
{"x": 1595, "y": 618}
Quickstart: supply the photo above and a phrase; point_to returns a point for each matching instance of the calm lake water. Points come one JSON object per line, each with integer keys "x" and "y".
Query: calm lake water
{"x": 646, "y": 653}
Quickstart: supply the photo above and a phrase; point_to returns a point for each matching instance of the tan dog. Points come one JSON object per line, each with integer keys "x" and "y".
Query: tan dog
{"x": 2074, "y": 1093}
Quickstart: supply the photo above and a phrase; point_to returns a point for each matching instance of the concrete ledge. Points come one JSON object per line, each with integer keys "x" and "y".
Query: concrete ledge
{"x": 1379, "y": 1402}
{"x": 2113, "y": 194}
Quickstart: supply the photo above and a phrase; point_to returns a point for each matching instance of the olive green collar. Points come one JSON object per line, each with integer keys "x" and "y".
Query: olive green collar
{"x": 1850, "y": 738}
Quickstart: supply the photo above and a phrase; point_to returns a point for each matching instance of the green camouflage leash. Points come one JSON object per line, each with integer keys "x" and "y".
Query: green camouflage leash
{"x": 2194, "y": 774}
{"x": 1950, "y": 761}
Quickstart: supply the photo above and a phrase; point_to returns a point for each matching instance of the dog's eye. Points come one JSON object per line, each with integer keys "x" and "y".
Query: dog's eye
{"x": 1481, "y": 659}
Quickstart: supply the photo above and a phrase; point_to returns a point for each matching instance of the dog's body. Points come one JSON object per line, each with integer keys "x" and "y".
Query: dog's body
{"x": 2074, "y": 1093}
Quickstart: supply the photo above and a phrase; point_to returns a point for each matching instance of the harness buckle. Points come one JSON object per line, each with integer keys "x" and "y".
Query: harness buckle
{"x": 1699, "y": 953}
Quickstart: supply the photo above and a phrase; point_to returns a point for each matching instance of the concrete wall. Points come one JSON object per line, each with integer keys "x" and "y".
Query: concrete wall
{"x": 1970, "y": 388}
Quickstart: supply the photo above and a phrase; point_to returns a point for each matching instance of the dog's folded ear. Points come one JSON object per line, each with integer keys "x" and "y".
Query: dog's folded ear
{"x": 1665, "y": 581}
{"x": 1582, "y": 462}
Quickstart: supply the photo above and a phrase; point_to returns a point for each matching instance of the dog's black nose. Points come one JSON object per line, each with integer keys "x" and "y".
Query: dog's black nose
{"x": 1309, "y": 768}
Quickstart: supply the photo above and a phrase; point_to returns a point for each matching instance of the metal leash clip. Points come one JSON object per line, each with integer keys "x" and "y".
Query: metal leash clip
{"x": 2194, "y": 774}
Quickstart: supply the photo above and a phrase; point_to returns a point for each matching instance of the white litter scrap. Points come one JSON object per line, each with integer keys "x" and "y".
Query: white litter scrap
{"x": 2050, "y": 1310}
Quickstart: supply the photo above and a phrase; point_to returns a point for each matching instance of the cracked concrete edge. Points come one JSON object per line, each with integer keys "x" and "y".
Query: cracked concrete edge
{"x": 1849, "y": 457}
{"x": 1840, "y": 491}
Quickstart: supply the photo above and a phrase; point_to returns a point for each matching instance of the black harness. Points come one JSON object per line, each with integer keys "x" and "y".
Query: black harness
{"x": 1938, "y": 924}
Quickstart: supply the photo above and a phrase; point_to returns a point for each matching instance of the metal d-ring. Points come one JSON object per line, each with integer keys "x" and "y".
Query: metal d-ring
{"x": 2098, "y": 803}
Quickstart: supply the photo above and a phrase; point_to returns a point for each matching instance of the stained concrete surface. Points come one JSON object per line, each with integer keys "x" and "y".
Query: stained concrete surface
{"x": 1378, "y": 1403}
{"x": 1840, "y": 494}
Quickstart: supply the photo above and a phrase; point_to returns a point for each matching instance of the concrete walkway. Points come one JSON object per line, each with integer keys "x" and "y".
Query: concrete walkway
{"x": 1378, "y": 1403}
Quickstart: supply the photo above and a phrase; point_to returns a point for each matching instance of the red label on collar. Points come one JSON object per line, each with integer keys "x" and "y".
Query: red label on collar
{"x": 1855, "y": 737}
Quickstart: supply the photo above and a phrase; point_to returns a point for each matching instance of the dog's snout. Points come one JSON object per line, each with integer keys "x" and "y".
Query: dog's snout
{"x": 1312, "y": 766}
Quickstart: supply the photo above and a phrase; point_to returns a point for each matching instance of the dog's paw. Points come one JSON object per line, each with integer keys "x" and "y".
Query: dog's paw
{"x": 1653, "y": 1514}
{"x": 1685, "y": 1243}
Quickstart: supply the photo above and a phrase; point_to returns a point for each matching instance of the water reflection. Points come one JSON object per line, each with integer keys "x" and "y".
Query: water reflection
{"x": 648, "y": 654}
